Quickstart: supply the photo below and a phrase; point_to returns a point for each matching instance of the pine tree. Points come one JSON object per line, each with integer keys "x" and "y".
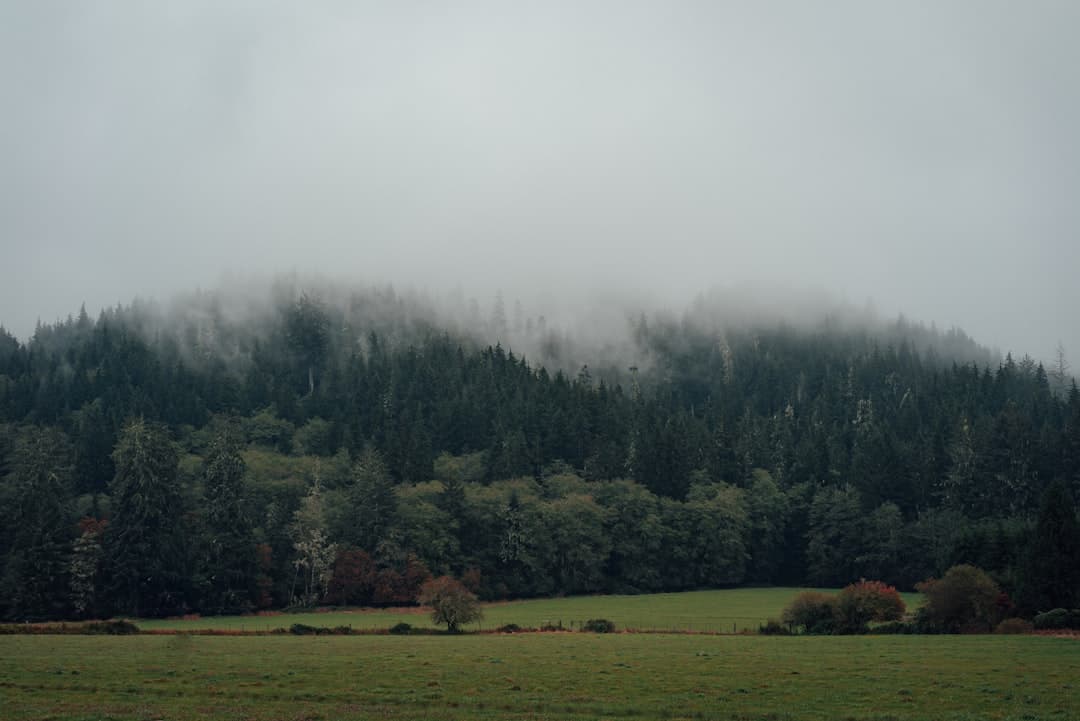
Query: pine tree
{"x": 144, "y": 549}
{"x": 1051, "y": 575}
{"x": 373, "y": 500}
{"x": 36, "y": 573}
{"x": 307, "y": 327}
{"x": 231, "y": 546}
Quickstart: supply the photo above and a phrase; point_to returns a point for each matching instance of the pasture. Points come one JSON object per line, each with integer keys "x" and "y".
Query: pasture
{"x": 540, "y": 676}
{"x": 724, "y": 611}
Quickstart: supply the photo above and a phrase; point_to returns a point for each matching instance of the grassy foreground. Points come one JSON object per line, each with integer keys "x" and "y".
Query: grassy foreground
{"x": 540, "y": 676}
{"x": 738, "y": 609}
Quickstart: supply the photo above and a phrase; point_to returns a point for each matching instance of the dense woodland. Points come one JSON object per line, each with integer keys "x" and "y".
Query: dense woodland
{"x": 341, "y": 448}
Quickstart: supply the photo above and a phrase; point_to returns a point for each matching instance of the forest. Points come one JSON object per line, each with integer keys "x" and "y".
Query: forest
{"x": 329, "y": 446}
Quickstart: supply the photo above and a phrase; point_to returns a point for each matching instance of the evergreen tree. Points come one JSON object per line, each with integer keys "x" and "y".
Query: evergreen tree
{"x": 35, "y": 580}
{"x": 144, "y": 547}
{"x": 94, "y": 441}
{"x": 1051, "y": 572}
{"x": 86, "y": 558}
{"x": 373, "y": 502}
{"x": 231, "y": 547}
{"x": 307, "y": 328}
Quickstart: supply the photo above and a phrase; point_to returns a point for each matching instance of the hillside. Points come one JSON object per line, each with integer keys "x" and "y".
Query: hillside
{"x": 338, "y": 446}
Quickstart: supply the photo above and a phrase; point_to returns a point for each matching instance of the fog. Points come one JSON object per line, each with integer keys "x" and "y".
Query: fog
{"x": 916, "y": 157}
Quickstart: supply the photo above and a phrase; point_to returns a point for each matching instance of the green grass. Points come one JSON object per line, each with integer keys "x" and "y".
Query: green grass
{"x": 540, "y": 676}
{"x": 734, "y": 609}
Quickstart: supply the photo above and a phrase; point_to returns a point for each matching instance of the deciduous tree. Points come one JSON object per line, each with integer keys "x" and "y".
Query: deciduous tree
{"x": 451, "y": 603}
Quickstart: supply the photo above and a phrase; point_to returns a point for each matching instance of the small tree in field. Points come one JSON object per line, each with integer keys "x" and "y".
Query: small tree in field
{"x": 866, "y": 601}
{"x": 451, "y": 603}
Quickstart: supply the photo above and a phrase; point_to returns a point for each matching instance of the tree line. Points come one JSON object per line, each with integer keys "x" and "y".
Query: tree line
{"x": 336, "y": 455}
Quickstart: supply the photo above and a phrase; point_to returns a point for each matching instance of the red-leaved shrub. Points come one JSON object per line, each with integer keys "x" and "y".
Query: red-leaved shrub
{"x": 861, "y": 603}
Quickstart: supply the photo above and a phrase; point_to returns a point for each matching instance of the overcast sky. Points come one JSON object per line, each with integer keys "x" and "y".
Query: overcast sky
{"x": 925, "y": 155}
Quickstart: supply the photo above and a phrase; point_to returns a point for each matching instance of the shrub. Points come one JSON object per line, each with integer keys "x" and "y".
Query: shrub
{"x": 1014, "y": 626}
{"x": 772, "y": 627}
{"x": 117, "y": 627}
{"x": 401, "y": 629}
{"x": 965, "y": 599}
{"x": 866, "y": 601}
{"x": 894, "y": 628}
{"x": 812, "y": 611}
{"x": 302, "y": 629}
{"x": 599, "y": 625}
{"x": 112, "y": 628}
{"x": 510, "y": 628}
{"x": 1058, "y": 618}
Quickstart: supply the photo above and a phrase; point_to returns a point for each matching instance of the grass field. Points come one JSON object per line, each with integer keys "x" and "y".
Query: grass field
{"x": 726, "y": 610}
{"x": 540, "y": 676}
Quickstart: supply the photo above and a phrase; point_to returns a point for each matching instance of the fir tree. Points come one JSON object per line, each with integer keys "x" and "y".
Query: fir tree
{"x": 144, "y": 550}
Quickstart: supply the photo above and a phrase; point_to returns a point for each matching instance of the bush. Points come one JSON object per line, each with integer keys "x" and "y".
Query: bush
{"x": 867, "y": 601}
{"x": 118, "y": 627}
{"x": 1058, "y": 618}
{"x": 112, "y": 628}
{"x": 965, "y": 599}
{"x": 302, "y": 629}
{"x": 510, "y": 628}
{"x": 1014, "y": 626}
{"x": 401, "y": 629}
{"x": 894, "y": 628}
{"x": 773, "y": 627}
{"x": 812, "y": 611}
{"x": 599, "y": 625}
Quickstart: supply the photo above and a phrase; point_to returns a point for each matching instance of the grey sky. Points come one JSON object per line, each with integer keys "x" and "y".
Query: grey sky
{"x": 924, "y": 154}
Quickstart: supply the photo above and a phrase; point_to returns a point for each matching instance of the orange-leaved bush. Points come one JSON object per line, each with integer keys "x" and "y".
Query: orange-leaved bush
{"x": 861, "y": 603}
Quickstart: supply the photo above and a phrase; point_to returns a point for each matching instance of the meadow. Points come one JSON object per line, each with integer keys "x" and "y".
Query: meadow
{"x": 580, "y": 676}
{"x": 540, "y": 676}
{"x": 722, "y": 611}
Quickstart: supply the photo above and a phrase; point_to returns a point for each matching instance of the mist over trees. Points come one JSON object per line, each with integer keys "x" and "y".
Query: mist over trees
{"x": 322, "y": 444}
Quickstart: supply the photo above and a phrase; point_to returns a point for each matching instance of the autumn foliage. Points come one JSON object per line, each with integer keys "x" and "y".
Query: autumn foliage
{"x": 867, "y": 601}
{"x": 451, "y": 603}
{"x": 353, "y": 579}
{"x": 356, "y": 580}
{"x": 850, "y": 611}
